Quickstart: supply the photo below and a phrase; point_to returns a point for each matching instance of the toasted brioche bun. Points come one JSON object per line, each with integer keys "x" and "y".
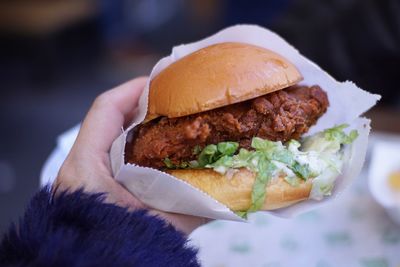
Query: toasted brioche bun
{"x": 216, "y": 76}
{"x": 235, "y": 191}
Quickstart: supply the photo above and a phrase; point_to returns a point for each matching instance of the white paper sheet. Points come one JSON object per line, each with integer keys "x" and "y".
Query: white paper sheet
{"x": 165, "y": 192}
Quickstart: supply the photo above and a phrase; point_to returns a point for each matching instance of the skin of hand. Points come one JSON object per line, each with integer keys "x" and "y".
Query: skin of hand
{"x": 88, "y": 164}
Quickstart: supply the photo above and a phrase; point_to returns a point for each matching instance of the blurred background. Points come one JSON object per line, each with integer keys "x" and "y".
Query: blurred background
{"x": 56, "y": 56}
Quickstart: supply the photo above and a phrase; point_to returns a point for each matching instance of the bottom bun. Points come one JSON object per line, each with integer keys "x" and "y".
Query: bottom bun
{"x": 235, "y": 191}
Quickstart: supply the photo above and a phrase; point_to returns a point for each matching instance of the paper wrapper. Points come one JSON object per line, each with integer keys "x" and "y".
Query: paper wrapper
{"x": 164, "y": 192}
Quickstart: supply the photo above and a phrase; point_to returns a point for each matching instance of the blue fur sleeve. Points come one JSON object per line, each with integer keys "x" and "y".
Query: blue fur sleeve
{"x": 78, "y": 229}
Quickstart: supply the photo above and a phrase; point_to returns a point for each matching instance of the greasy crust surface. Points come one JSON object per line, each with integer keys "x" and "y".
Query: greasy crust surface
{"x": 217, "y": 76}
{"x": 279, "y": 116}
{"x": 235, "y": 192}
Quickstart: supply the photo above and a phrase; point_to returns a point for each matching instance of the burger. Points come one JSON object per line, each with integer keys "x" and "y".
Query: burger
{"x": 231, "y": 120}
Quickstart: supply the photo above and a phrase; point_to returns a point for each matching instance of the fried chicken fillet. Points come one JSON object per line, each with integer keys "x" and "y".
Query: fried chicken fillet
{"x": 279, "y": 116}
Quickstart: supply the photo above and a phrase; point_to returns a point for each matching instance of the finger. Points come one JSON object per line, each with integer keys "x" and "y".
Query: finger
{"x": 107, "y": 115}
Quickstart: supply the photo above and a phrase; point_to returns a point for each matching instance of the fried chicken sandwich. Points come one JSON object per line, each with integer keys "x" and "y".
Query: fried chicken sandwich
{"x": 230, "y": 119}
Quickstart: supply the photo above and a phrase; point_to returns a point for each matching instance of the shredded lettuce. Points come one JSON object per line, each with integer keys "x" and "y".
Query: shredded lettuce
{"x": 292, "y": 180}
{"x": 196, "y": 150}
{"x": 168, "y": 163}
{"x": 302, "y": 171}
{"x": 330, "y": 140}
{"x": 212, "y": 153}
{"x": 317, "y": 157}
{"x": 336, "y": 134}
{"x": 227, "y": 148}
{"x": 183, "y": 165}
{"x": 264, "y": 174}
{"x": 207, "y": 155}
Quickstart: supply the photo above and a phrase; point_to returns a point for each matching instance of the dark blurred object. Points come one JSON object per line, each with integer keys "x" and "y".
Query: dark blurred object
{"x": 38, "y": 17}
{"x": 356, "y": 40}
{"x": 384, "y": 119}
{"x": 44, "y": 41}
{"x": 122, "y": 21}
{"x": 157, "y": 24}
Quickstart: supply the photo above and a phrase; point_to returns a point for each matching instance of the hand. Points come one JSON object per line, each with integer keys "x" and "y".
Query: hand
{"x": 88, "y": 164}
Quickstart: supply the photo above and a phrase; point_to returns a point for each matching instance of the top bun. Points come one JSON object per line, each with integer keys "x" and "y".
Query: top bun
{"x": 216, "y": 76}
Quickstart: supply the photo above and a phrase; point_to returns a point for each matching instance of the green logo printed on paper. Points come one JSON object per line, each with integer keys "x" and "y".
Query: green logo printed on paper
{"x": 260, "y": 219}
{"x": 391, "y": 236}
{"x": 338, "y": 238}
{"x": 322, "y": 263}
{"x": 309, "y": 216}
{"x": 272, "y": 264}
{"x": 289, "y": 244}
{"x": 240, "y": 247}
{"x": 216, "y": 225}
{"x": 356, "y": 214}
{"x": 374, "y": 262}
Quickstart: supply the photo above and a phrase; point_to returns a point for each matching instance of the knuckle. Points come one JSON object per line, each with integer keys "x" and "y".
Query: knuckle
{"x": 102, "y": 99}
